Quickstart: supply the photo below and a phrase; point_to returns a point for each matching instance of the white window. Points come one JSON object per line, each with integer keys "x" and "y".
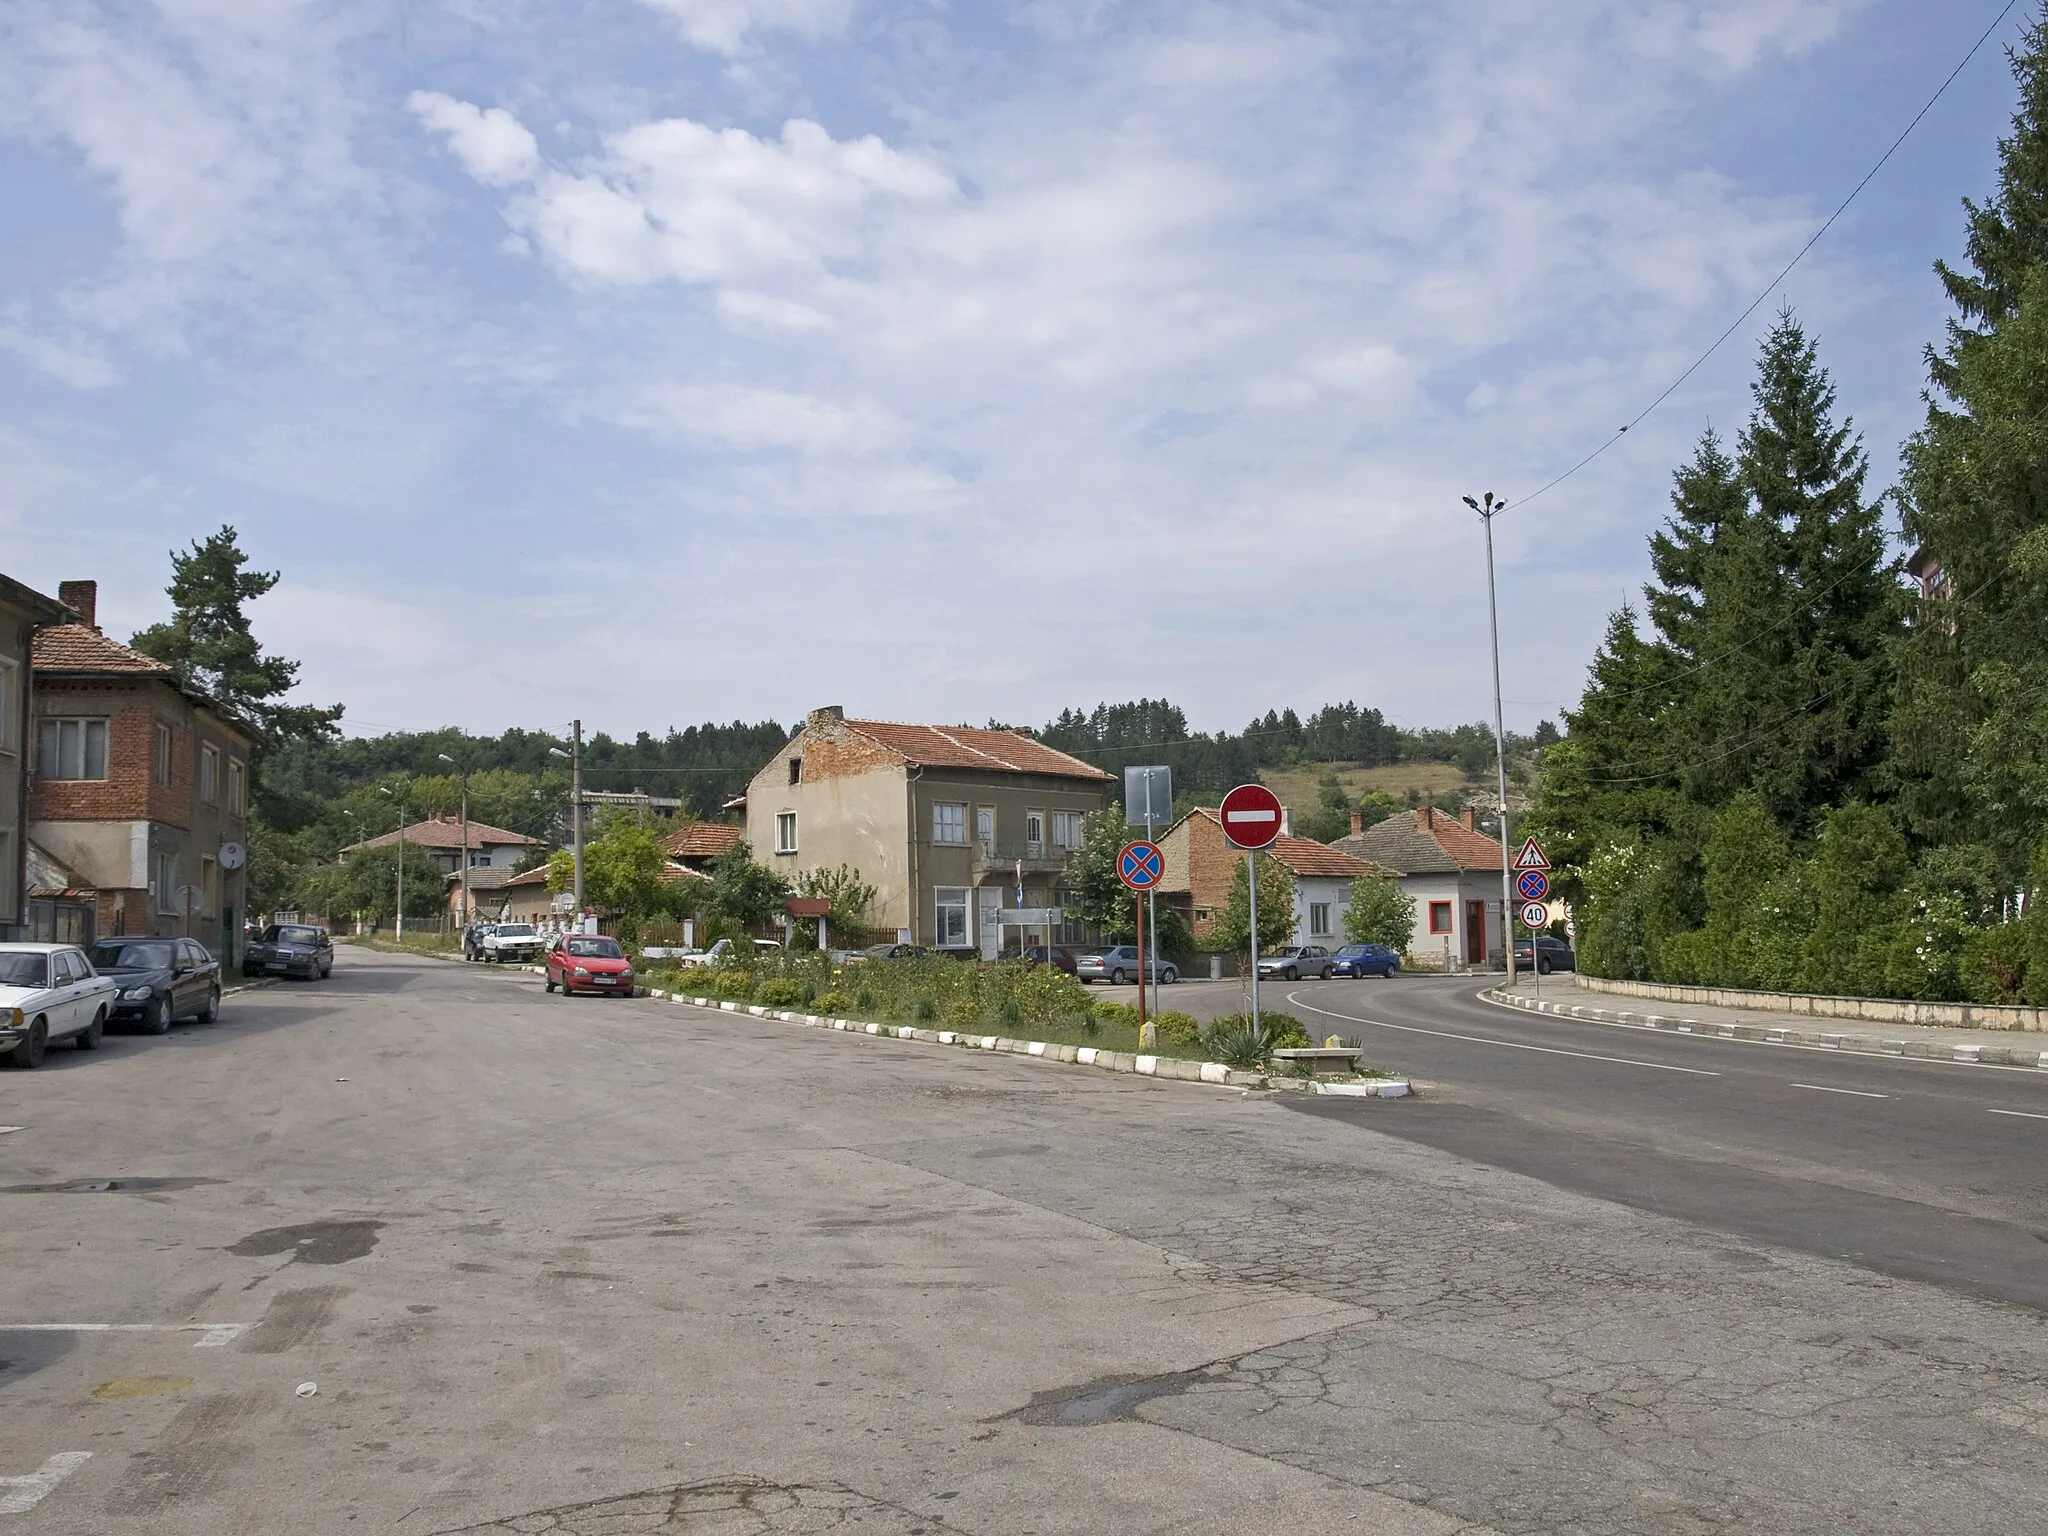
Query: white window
{"x": 1034, "y": 834}
{"x": 785, "y": 831}
{"x": 167, "y": 882}
{"x": 1319, "y": 919}
{"x": 164, "y": 741}
{"x": 1066, "y": 829}
{"x": 238, "y": 787}
{"x": 950, "y": 902}
{"x": 209, "y": 775}
{"x": 985, "y": 829}
{"x": 7, "y": 683}
{"x": 72, "y": 749}
{"x": 949, "y": 824}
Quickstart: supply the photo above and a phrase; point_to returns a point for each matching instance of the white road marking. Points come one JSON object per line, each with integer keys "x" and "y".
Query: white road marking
{"x": 19, "y": 1495}
{"x": 2018, "y": 1114}
{"x": 1855, "y": 1092}
{"x": 4, "y": 1129}
{"x": 211, "y": 1335}
{"x": 1512, "y": 1045}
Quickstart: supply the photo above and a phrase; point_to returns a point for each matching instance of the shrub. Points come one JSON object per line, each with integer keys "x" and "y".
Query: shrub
{"x": 924, "y": 1009}
{"x": 1177, "y": 1028}
{"x": 963, "y": 1010}
{"x": 831, "y": 1004}
{"x": 1994, "y": 965}
{"x": 1232, "y": 1042}
{"x": 1010, "y": 1011}
{"x": 1280, "y": 1031}
{"x": 780, "y": 992}
{"x": 864, "y": 998}
{"x": 732, "y": 983}
{"x": 1116, "y": 1013}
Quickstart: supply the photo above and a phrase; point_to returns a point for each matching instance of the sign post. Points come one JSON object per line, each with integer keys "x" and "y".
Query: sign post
{"x": 1139, "y": 866}
{"x": 1148, "y": 799}
{"x": 1251, "y": 821}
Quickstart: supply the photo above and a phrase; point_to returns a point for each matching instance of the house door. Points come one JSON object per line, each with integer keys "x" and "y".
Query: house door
{"x": 991, "y": 925}
{"x": 1475, "y": 932}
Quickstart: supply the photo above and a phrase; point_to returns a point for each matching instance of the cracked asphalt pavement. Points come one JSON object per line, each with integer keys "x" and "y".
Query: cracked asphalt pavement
{"x": 617, "y": 1266}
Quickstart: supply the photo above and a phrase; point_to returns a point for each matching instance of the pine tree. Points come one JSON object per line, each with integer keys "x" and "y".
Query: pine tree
{"x": 1972, "y": 719}
{"x": 209, "y": 643}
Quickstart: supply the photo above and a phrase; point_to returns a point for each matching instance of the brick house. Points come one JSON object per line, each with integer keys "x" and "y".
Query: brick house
{"x": 23, "y": 611}
{"x": 946, "y": 822}
{"x": 140, "y": 782}
{"x": 1452, "y": 871}
{"x": 701, "y": 843}
{"x": 1199, "y": 867}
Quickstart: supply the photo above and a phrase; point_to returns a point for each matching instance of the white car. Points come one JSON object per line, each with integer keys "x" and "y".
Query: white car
{"x": 512, "y": 942}
{"x": 50, "y": 992}
{"x": 718, "y": 953}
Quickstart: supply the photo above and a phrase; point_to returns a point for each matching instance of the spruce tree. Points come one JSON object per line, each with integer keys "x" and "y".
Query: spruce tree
{"x": 1972, "y": 718}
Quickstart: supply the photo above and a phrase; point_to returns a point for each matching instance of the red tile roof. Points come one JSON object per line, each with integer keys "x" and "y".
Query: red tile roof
{"x": 950, "y": 746}
{"x": 81, "y": 648}
{"x": 444, "y": 832}
{"x": 701, "y": 840}
{"x": 1310, "y": 860}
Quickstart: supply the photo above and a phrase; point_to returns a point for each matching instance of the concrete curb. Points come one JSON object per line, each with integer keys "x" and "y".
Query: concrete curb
{"x": 1169, "y": 1067}
{"x": 2031, "y": 1058}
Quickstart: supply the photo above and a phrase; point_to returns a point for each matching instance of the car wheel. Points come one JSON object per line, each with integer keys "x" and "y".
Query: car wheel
{"x": 158, "y": 1020}
{"x": 88, "y": 1039}
{"x": 551, "y": 983}
{"x": 211, "y": 1012}
{"x": 30, "y": 1052}
{"x": 1542, "y": 967}
{"x": 1393, "y": 969}
{"x": 1169, "y": 975}
{"x": 1291, "y": 974}
{"x": 327, "y": 970}
{"x": 1116, "y": 978}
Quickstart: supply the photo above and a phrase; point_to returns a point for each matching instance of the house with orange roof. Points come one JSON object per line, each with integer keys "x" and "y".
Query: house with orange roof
{"x": 954, "y": 826}
{"x": 1199, "y": 867}
{"x": 1452, "y": 872}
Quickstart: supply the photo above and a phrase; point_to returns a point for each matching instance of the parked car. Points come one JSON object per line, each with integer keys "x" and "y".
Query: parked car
{"x": 50, "y": 992}
{"x": 159, "y": 980}
{"x": 719, "y": 953}
{"x": 1119, "y": 965}
{"x": 1365, "y": 960}
{"x": 1544, "y": 955}
{"x": 1294, "y": 961}
{"x": 589, "y": 962}
{"x": 1062, "y": 957}
{"x": 290, "y": 949}
{"x": 473, "y": 940}
{"x": 511, "y": 943}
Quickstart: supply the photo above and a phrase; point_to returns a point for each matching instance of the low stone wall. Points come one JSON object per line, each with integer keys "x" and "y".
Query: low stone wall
{"x": 1874, "y": 1010}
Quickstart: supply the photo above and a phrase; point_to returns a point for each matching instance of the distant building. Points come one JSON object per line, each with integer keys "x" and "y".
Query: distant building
{"x": 1452, "y": 871}
{"x": 23, "y": 611}
{"x": 950, "y": 824}
{"x": 439, "y": 838}
{"x": 699, "y": 845}
{"x": 1200, "y": 867}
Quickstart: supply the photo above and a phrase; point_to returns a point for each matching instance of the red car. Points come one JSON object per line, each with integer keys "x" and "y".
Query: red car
{"x": 1062, "y": 957}
{"x": 589, "y": 962}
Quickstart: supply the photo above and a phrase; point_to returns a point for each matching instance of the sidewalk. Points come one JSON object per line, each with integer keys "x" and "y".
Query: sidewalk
{"x": 1992, "y": 1047}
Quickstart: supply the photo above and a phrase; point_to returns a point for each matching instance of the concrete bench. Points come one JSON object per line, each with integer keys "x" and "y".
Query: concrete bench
{"x": 1320, "y": 1060}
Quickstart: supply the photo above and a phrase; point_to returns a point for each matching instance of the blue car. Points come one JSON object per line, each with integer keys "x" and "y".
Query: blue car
{"x": 1366, "y": 960}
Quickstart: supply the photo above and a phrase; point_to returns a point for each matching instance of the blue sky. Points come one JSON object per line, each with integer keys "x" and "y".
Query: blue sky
{"x": 657, "y": 361}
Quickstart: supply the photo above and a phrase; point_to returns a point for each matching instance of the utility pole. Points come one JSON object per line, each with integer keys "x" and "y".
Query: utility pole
{"x": 464, "y": 775}
{"x": 576, "y": 812}
{"x": 398, "y": 922}
{"x": 1487, "y": 513}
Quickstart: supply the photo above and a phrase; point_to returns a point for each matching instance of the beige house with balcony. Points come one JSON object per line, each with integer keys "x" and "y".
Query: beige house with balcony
{"x": 950, "y": 824}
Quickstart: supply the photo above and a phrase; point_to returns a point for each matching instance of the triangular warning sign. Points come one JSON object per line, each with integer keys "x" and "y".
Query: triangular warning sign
{"x": 1531, "y": 856}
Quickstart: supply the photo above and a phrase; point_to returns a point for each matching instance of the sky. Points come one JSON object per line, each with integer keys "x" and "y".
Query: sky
{"x": 661, "y": 361}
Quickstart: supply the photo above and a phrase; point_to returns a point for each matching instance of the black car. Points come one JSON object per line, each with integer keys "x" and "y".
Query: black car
{"x": 290, "y": 949}
{"x": 473, "y": 940}
{"x": 1545, "y": 955}
{"x": 159, "y": 980}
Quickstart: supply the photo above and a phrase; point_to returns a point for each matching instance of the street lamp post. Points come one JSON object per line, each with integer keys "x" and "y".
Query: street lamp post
{"x": 575, "y": 756}
{"x": 398, "y": 922}
{"x": 463, "y": 775}
{"x": 1487, "y": 513}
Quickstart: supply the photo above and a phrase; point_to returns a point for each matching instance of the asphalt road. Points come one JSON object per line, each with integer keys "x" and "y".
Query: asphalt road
{"x": 617, "y": 1266}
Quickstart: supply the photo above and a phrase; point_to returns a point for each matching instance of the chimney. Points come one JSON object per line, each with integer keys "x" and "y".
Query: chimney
{"x": 1470, "y": 818}
{"x": 83, "y": 597}
{"x": 1357, "y": 822}
{"x": 1286, "y": 822}
{"x": 1425, "y": 816}
{"x": 831, "y": 714}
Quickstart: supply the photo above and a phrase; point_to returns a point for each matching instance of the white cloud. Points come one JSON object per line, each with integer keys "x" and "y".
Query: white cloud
{"x": 725, "y": 26}
{"x": 752, "y": 419}
{"x": 491, "y": 143}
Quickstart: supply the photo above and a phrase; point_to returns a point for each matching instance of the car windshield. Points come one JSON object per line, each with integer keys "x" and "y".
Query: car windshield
{"x": 131, "y": 957}
{"x": 515, "y": 930}
{"x": 1355, "y": 949}
{"x": 597, "y": 949}
{"x": 278, "y": 933}
{"x": 19, "y": 970}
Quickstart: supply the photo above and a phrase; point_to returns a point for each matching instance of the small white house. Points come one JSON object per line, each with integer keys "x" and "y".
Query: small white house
{"x": 1452, "y": 871}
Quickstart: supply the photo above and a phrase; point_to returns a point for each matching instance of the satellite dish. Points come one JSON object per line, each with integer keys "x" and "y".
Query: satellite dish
{"x": 233, "y": 855}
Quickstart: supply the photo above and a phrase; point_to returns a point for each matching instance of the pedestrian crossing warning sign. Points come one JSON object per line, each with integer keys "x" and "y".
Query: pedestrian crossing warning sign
{"x": 1531, "y": 856}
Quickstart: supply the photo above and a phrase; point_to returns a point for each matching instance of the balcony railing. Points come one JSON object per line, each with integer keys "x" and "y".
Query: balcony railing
{"x": 1036, "y": 856}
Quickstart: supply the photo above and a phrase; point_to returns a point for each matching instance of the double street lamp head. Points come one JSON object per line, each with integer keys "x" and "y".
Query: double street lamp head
{"x": 1489, "y": 509}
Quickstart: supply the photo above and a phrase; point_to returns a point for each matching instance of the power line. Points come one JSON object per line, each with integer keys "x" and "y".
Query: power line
{"x": 1742, "y": 318}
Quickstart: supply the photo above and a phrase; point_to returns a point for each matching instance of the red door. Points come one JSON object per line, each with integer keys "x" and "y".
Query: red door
{"x": 1475, "y": 932}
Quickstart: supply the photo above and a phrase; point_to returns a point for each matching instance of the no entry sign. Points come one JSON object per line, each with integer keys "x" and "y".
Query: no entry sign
{"x": 1251, "y": 816}
{"x": 1139, "y": 866}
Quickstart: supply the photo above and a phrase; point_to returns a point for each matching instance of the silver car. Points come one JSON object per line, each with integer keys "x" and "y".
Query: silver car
{"x": 1119, "y": 965}
{"x": 1294, "y": 961}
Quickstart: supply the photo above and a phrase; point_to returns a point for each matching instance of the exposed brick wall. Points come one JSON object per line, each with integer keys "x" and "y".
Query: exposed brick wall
{"x": 830, "y": 751}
